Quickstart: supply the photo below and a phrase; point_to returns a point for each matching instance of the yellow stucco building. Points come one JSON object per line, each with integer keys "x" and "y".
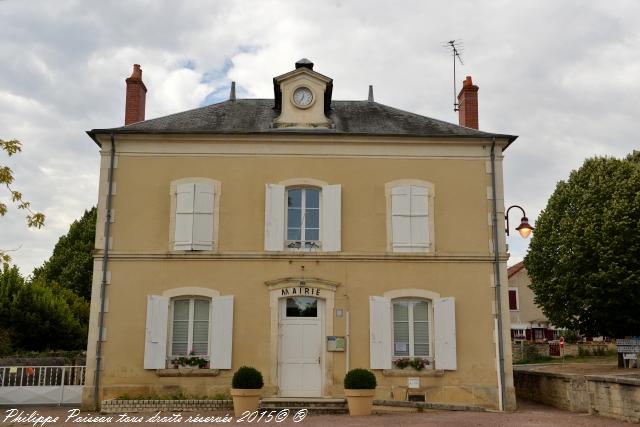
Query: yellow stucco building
{"x": 303, "y": 236}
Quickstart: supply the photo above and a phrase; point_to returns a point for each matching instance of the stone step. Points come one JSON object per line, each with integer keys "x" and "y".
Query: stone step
{"x": 313, "y": 405}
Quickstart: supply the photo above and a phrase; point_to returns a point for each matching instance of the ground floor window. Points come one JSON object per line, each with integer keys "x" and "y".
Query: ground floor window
{"x": 411, "y": 322}
{"x": 519, "y": 334}
{"x": 190, "y": 327}
{"x": 538, "y": 334}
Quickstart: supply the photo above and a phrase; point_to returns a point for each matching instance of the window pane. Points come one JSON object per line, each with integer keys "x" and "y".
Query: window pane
{"x": 294, "y": 198}
{"x": 421, "y": 349}
{"x": 420, "y": 311}
{"x": 201, "y": 310}
{"x": 312, "y": 218}
{"x": 302, "y": 307}
{"x": 401, "y": 338}
{"x": 180, "y": 337}
{"x": 421, "y": 332}
{"x": 400, "y": 311}
{"x": 201, "y": 331}
{"x": 294, "y": 216}
{"x": 313, "y": 234}
{"x": 181, "y": 309}
{"x": 179, "y": 349}
{"x": 294, "y": 234}
{"x": 200, "y": 349}
{"x": 312, "y": 198}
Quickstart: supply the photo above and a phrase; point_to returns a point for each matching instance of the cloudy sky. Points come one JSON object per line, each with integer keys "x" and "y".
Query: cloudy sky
{"x": 564, "y": 76}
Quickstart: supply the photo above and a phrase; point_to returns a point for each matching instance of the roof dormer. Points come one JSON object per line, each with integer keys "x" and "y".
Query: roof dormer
{"x": 303, "y": 98}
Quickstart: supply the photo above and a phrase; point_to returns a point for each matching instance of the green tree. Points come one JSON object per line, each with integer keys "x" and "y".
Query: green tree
{"x": 71, "y": 265}
{"x": 584, "y": 257}
{"x": 38, "y": 316}
{"x": 34, "y": 219}
{"x": 43, "y": 320}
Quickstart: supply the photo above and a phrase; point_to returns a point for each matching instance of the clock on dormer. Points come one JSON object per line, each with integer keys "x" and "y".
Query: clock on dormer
{"x": 302, "y": 97}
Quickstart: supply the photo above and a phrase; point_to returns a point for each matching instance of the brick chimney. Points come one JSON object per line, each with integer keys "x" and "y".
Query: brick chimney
{"x": 468, "y": 104}
{"x": 136, "y": 97}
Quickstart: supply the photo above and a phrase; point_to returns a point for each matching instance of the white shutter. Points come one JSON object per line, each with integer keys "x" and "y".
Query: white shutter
{"x": 380, "y": 332}
{"x": 274, "y": 218}
{"x": 221, "y": 332}
{"x": 401, "y": 217}
{"x": 155, "y": 344}
{"x": 331, "y": 218}
{"x": 203, "y": 217}
{"x": 183, "y": 237}
{"x": 419, "y": 216}
{"x": 444, "y": 324}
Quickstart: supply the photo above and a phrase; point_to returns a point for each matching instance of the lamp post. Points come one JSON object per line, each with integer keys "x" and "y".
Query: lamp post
{"x": 524, "y": 228}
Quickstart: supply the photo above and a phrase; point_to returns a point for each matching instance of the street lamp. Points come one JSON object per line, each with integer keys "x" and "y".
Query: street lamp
{"x": 524, "y": 228}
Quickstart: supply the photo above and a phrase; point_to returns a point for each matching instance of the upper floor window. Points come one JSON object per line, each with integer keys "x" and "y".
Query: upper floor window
{"x": 303, "y": 218}
{"x": 410, "y": 216}
{"x": 514, "y": 304}
{"x": 303, "y": 215}
{"x": 194, "y": 213}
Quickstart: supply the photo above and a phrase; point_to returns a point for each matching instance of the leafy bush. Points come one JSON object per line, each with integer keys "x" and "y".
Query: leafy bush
{"x": 583, "y": 351}
{"x": 247, "y": 378}
{"x": 571, "y": 337}
{"x": 360, "y": 379}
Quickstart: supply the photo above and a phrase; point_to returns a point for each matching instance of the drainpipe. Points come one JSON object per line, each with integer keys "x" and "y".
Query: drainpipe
{"x": 103, "y": 283}
{"x": 348, "y": 341}
{"x": 498, "y": 298}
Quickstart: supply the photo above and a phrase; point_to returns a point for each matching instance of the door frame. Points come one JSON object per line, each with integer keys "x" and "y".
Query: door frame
{"x": 322, "y": 289}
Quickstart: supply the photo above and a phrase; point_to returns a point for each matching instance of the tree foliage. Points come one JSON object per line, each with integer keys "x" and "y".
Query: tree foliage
{"x": 50, "y": 311}
{"x": 71, "y": 264}
{"x": 39, "y": 316}
{"x": 584, "y": 257}
{"x": 34, "y": 219}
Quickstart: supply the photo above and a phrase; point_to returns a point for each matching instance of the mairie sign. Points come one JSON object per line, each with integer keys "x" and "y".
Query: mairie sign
{"x": 301, "y": 290}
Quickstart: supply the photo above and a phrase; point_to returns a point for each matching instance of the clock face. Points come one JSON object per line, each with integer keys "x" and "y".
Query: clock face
{"x": 303, "y": 97}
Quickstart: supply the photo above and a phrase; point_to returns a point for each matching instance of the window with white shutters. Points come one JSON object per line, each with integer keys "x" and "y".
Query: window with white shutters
{"x": 410, "y": 227}
{"x": 303, "y": 218}
{"x": 199, "y": 325}
{"x": 190, "y": 327}
{"x": 412, "y": 327}
{"x": 194, "y": 214}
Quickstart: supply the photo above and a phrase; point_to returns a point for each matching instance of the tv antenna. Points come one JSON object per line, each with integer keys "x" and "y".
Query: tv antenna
{"x": 456, "y": 49}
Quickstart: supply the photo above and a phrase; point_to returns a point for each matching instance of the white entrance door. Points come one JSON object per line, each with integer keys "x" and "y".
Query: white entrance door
{"x": 300, "y": 355}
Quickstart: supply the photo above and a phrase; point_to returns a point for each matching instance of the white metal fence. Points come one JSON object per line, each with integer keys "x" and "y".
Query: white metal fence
{"x": 27, "y": 385}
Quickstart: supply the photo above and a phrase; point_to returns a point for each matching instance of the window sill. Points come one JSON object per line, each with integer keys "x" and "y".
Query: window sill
{"x": 187, "y": 372}
{"x": 410, "y": 372}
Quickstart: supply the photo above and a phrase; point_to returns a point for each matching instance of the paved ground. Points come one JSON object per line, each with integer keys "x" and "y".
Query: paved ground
{"x": 528, "y": 414}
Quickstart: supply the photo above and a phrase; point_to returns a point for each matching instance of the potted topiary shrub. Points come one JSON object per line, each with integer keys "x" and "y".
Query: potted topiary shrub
{"x": 359, "y": 387}
{"x": 246, "y": 385}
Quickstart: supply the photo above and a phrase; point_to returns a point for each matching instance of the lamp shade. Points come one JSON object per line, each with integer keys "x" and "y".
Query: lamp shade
{"x": 524, "y": 228}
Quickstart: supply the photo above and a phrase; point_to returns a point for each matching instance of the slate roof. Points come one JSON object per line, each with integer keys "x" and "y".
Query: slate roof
{"x": 250, "y": 116}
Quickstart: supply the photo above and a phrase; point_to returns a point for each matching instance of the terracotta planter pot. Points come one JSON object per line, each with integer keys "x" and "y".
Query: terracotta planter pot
{"x": 360, "y": 401}
{"x": 245, "y": 400}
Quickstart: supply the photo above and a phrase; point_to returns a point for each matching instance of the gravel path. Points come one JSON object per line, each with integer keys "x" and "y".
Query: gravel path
{"x": 528, "y": 414}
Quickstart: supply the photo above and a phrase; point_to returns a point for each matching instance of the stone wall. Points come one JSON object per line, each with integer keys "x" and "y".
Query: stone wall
{"x": 616, "y": 398}
{"x": 564, "y": 391}
{"x": 519, "y": 351}
{"x": 134, "y": 406}
{"x": 609, "y": 396}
